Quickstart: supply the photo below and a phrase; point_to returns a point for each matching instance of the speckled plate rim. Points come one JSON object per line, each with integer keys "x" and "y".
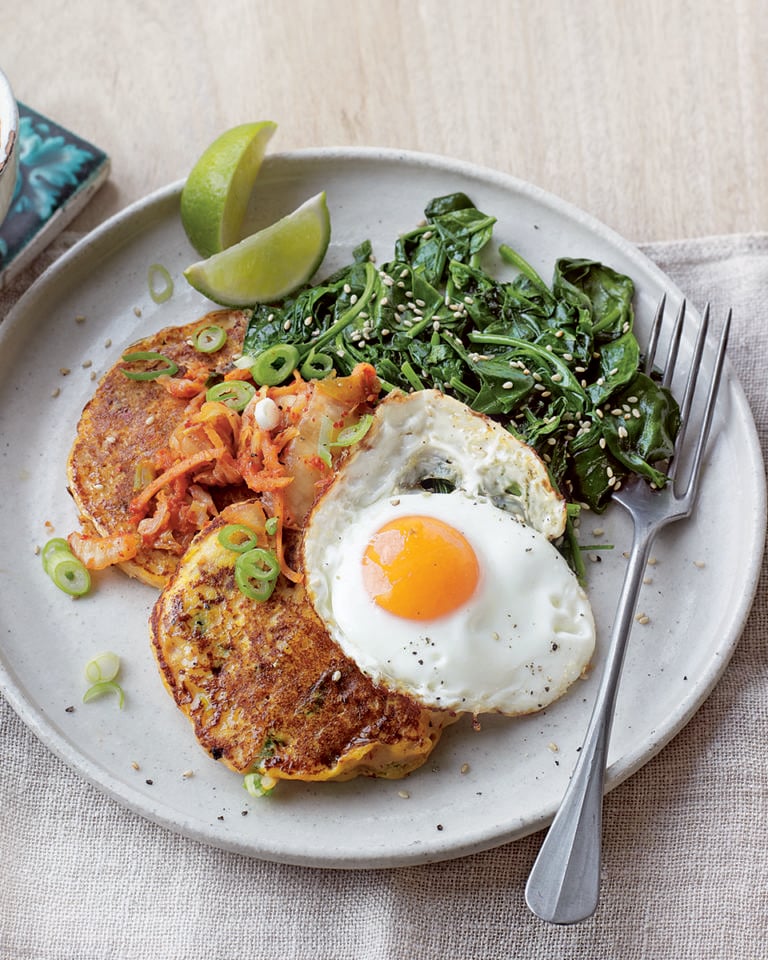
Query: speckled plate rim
{"x": 502, "y": 826}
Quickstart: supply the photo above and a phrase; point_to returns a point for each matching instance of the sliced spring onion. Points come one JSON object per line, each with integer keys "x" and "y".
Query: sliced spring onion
{"x": 354, "y": 433}
{"x": 102, "y": 687}
{"x": 256, "y": 573}
{"x": 275, "y": 365}
{"x": 234, "y": 393}
{"x": 324, "y": 437}
{"x": 237, "y": 537}
{"x": 346, "y": 437}
{"x": 149, "y": 355}
{"x": 56, "y": 545}
{"x": 160, "y": 283}
{"x": 210, "y": 339}
{"x": 316, "y": 366}
{"x": 271, "y": 526}
{"x": 102, "y": 668}
{"x": 259, "y": 784}
{"x": 63, "y": 567}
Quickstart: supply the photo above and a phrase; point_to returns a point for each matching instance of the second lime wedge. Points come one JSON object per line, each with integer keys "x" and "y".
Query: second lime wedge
{"x": 270, "y": 264}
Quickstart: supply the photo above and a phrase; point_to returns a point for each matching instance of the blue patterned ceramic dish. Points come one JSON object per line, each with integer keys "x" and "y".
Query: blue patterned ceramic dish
{"x": 57, "y": 173}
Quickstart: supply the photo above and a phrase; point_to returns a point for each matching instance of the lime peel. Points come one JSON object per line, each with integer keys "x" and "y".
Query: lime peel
{"x": 269, "y": 264}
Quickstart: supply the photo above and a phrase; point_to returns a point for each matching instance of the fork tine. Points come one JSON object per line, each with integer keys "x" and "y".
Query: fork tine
{"x": 690, "y": 388}
{"x": 709, "y": 410}
{"x": 674, "y": 346}
{"x": 653, "y": 340}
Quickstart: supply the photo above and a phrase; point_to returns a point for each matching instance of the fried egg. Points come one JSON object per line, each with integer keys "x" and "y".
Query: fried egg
{"x": 459, "y": 599}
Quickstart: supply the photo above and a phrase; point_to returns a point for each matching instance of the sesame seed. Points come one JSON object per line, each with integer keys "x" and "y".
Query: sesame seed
{"x": 643, "y": 618}
{"x": 287, "y": 325}
{"x": 699, "y": 563}
{"x": 137, "y": 311}
{"x": 347, "y": 288}
{"x": 336, "y": 676}
{"x": 107, "y": 343}
{"x": 464, "y": 769}
{"x": 403, "y": 794}
{"x": 55, "y": 392}
{"x": 64, "y": 371}
{"x": 80, "y": 318}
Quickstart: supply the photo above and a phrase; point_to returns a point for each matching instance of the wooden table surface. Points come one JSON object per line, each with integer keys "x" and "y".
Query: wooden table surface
{"x": 651, "y": 114}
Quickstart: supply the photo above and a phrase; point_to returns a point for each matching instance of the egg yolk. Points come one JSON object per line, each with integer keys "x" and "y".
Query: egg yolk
{"x": 419, "y": 568}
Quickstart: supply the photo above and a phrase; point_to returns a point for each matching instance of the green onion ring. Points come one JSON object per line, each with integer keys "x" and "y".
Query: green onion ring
{"x": 156, "y": 275}
{"x": 345, "y": 438}
{"x": 258, "y": 784}
{"x": 233, "y": 393}
{"x": 355, "y": 432}
{"x": 228, "y": 538}
{"x": 271, "y": 526}
{"x": 316, "y": 366}
{"x": 56, "y": 545}
{"x": 210, "y": 339}
{"x": 168, "y": 370}
{"x": 68, "y": 573}
{"x": 102, "y": 687}
{"x": 103, "y": 668}
{"x": 256, "y": 573}
{"x": 275, "y": 364}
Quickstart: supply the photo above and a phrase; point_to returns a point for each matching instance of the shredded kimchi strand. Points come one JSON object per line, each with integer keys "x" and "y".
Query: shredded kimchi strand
{"x": 178, "y": 469}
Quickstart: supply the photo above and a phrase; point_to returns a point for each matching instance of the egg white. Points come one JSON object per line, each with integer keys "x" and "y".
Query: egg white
{"x": 527, "y": 632}
{"x": 520, "y": 641}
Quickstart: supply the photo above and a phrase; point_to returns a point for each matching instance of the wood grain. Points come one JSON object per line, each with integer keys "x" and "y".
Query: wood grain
{"x": 651, "y": 114}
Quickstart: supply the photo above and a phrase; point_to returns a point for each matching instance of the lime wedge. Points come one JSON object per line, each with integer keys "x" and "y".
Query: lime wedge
{"x": 216, "y": 194}
{"x": 269, "y": 264}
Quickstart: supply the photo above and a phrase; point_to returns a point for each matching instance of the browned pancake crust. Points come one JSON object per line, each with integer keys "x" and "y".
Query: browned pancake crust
{"x": 126, "y": 421}
{"x": 265, "y": 686}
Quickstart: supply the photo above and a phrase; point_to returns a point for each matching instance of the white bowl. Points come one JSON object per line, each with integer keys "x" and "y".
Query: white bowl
{"x": 9, "y": 153}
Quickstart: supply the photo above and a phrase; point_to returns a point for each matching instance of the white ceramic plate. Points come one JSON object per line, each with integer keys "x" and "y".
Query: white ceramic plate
{"x": 515, "y": 770}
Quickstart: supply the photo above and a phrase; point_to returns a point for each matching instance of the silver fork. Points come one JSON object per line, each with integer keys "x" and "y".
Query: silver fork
{"x": 564, "y": 884}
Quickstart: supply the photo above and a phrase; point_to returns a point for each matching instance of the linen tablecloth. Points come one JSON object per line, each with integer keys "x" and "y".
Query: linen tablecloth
{"x": 686, "y": 837}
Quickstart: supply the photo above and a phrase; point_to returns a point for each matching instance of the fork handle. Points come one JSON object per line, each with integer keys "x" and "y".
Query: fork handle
{"x": 564, "y": 884}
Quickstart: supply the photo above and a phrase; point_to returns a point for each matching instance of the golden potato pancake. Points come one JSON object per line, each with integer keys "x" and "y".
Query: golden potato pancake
{"x": 127, "y": 421}
{"x": 266, "y": 688}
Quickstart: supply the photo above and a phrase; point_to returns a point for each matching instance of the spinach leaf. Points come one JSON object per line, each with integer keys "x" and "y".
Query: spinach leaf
{"x": 557, "y": 365}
